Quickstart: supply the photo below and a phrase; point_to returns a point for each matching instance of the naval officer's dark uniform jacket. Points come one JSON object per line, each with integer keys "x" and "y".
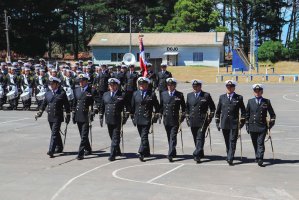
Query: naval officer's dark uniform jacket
{"x": 227, "y": 111}
{"x": 130, "y": 87}
{"x": 161, "y": 80}
{"x": 256, "y": 123}
{"x": 113, "y": 108}
{"x": 101, "y": 85}
{"x": 170, "y": 107}
{"x": 55, "y": 102}
{"x": 82, "y": 110}
{"x": 142, "y": 106}
{"x": 197, "y": 107}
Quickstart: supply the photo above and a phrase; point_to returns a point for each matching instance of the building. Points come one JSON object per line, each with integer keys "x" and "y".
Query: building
{"x": 176, "y": 49}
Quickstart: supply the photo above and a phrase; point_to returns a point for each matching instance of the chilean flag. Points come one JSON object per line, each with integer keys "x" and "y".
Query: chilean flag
{"x": 142, "y": 58}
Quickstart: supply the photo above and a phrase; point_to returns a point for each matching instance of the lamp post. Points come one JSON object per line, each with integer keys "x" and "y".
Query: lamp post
{"x": 8, "y": 57}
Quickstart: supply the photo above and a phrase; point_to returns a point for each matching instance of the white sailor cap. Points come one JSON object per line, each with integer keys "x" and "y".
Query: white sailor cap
{"x": 13, "y": 68}
{"x": 110, "y": 67}
{"x": 113, "y": 81}
{"x": 53, "y": 69}
{"x": 8, "y": 63}
{"x": 257, "y": 86}
{"x": 76, "y": 63}
{"x": 124, "y": 66}
{"x": 54, "y": 79}
{"x": 42, "y": 60}
{"x": 143, "y": 80}
{"x": 50, "y": 66}
{"x": 196, "y": 82}
{"x": 83, "y": 76}
{"x": 149, "y": 64}
{"x": 80, "y": 61}
{"x": 163, "y": 64}
{"x": 27, "y": 69}
{"x": 171, "y": 81}
{"x": 67, "y": 62}
{"x": 3, "y": 64}
{"x": 230, "y": 83}
{"x": 15, "y": 64}
{"x": 89, "y": 61}
{"x": 27, "y": 65}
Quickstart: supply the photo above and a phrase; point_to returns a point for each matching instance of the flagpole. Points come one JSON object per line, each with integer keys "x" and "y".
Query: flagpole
{"x": 130, "y": 50}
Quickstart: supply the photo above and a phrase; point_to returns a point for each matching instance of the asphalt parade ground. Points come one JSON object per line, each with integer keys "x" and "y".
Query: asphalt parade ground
{"x": 27, "y": 173}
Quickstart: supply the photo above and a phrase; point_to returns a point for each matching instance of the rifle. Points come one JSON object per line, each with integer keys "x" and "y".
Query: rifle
{"x": 65, "y": 132}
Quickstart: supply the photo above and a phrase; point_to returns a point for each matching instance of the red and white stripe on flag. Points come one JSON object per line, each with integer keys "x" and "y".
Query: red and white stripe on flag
{"x": 142, "y": 60}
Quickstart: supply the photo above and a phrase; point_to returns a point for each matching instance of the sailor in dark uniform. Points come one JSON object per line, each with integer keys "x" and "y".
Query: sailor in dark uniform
{"x": 83, "y": 114}
{"x": 27, "y": 84}
{"x": 173, "y": 107}
{"x": 200, "y": 110}
{"x": 56, "y": 100}
{"x": 151, "y": 75}
{"x": 13, "y": 81}
{"x": 228, "y": 119}
{"x": 131, "y": 84}
{"x": 162, "y": 76}
{"x": 143, "y": 103}
{"x": 113, "y": 108}
{"x": 3, "y": 84}
{"x": 101, "y": 84}
{"x": 256, "y": 121}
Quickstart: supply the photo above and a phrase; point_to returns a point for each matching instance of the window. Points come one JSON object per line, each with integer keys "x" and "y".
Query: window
{"x": 197, "y": 56}
{"x": 113, "y": 57}
{"x": 147, "y": 56}
{"x": 117, "y": 57}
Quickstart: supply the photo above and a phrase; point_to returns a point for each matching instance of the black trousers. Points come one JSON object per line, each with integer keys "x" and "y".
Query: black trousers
{"x": 144, "y": 148}
{"x": 14, "y": 103}
{"x": 2, "y": 101}
{"x": 84, "y": 134}
{"x": 172, "y": 132}
{"x": 128, "y": 99}
{"x": 55, "y": 140}
{"x": 114, "y": 133}
{"x": 198, "y": 134}
{"x": 258, "y": 141}
{"x": 27, "y": 103}
{"x": 230, "y": 137}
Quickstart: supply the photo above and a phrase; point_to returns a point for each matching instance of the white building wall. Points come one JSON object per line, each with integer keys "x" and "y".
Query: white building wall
{"x": 211, "y": 55}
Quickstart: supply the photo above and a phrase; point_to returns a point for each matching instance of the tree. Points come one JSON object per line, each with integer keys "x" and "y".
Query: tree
{"x": 193, "y": 15}
{"x": 272, "y": 51}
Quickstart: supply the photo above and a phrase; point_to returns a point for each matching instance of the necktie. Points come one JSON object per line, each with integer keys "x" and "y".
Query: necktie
{"x": 53, "y": 92}
{"x": 112, "y": 94}
{"x": 196, "y": 95}
{"x": 82, "y": 89}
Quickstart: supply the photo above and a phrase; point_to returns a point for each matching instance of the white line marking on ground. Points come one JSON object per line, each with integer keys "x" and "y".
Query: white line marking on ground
{"x": 76, "y": 177}
{"x": 168, "y": 172}
{"x": 14, "y": 120}
{"x": 115, "y": 172}
{"x": 288, "y": 99}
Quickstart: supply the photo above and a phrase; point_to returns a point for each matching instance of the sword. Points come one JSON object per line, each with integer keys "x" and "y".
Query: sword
{"x": 90, "y": 130}
{"x": 270, "y": 138}
{"x": 153, "y": 135}
{"x": 240, "y": 136}
{"x": 122, "y": 133}
{"x": 65, "y": 132}
{"x": 180, "y": 130}
{"x": 210, "y": 137}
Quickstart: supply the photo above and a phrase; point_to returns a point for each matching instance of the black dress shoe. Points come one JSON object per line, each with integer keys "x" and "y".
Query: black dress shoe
{"x": 141, "y": 158}
{"x": 58, "y": 150}
{"x": 260, "y": 163}
{"x": 230, "y": 163}
{"x": 87, "y": 153}
{"x": 197, "y": 160}
{"x": 170, "y": 158}
{"x": 111, "y": 158}
{"x": 80, "y": 158}
{"x": 51, "y": 155}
